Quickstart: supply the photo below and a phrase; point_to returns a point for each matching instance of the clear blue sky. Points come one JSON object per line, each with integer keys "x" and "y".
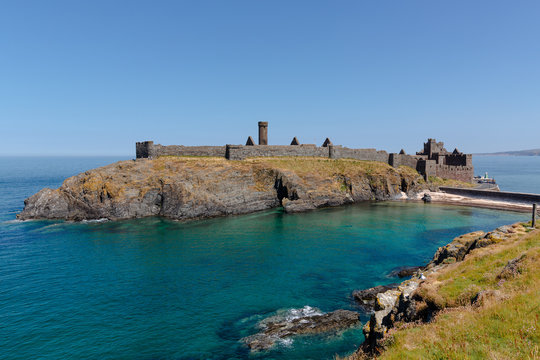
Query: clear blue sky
{"x": 93, "y": 77}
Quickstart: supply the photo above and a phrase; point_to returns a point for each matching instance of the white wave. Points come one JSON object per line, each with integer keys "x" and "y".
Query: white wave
{"x": 306, "y": 311}
{"x": 288, "y": 315}
{"x": 14, "y": 221}
{"x": 287, "y": 342}
{"x": 95, "y": 220}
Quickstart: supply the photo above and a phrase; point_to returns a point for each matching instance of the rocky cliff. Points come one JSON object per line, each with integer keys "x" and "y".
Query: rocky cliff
{"x": 190, "y": 188}
{"x": 460, "y": 275}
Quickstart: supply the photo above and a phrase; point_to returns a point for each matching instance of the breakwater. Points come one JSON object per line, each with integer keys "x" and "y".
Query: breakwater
{"x": 493, "y": 195}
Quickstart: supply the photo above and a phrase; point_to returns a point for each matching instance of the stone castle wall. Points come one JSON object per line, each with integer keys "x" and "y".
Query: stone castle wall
{"x": 427, "y": 168}
{"x": 180, "y": 150}
{"x": 144, "y": 149}
{"x": 340, "y": 152}
{"x": 396, "y": 160}
{"x": 458, "y": 160}
{"x": 461, "y": 173}
{"x": 241, "y": 152}
{"x": 455, "y": 166}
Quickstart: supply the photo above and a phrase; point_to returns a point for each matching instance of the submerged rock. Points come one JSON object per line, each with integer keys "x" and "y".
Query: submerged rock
{"x": 303, "y": 321}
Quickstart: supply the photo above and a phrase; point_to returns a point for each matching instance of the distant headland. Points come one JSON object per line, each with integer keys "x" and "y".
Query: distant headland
{"x": 531, "y": 152}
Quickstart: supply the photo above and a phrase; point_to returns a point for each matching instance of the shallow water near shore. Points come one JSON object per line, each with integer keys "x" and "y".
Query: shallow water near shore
{"x": 159, "y": 289}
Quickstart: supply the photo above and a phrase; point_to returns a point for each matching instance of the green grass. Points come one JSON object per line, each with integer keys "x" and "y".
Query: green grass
{"x": 502, "y": 328}
{"x": 505, "y": 330}
{"x": 302, "y": 165}
{"x": 449, "y": 182}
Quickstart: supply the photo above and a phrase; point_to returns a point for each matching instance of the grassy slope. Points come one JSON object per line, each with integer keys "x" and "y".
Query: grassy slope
{"x": 504, "y": 326}
{"x": 319, "y": 166}
{"x": 449, "y": 182}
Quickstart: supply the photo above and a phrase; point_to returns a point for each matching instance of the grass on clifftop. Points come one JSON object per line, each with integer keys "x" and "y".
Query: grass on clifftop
{"x": 505, "y": 325}
{"x": 299, "y": 165}
{"x": 449, "y": 182}
{"x": 322, "y": 166}
{"x": 310, "y": 165}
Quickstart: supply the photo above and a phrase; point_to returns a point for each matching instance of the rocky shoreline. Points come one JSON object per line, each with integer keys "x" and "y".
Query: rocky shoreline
{"x": 193, "y": 188}
{"x": 304, "y": 321}
{"x": 184, "y": 188}
{"x": 416, "y": 299}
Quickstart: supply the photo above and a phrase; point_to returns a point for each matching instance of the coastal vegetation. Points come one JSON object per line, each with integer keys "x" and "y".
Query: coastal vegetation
{"x": 487, "y": 305}
{"x": 191, "y": 188}
{"x": 436, "y": 181}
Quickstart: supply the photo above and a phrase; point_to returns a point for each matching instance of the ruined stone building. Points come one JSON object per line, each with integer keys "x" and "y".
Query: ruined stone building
{"x": 433, "y": 160}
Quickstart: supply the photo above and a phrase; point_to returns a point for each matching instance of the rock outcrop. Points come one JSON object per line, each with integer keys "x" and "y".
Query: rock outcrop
{"x": 417, "y": 299}
{"x": 191, "y": 188}
{"x": 404, "y": 271}
{"x": 294, "y": 322}
{"x": 367, "y": 297}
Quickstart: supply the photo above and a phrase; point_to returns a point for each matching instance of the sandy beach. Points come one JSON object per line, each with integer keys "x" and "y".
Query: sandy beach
{"x": 444, "y": 198}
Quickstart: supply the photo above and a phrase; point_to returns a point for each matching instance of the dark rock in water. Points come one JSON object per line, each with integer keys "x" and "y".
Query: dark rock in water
{"x": 404, "y": 271}
{"x": 367, "y": 298}
{"x": 426, "y": 198}
{"x": 303, "y": 321}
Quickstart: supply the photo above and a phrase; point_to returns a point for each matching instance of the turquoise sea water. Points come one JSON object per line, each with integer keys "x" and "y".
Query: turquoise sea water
{"x": 159, "y": 289}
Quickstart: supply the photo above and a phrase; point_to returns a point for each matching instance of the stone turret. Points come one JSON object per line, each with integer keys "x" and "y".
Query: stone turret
{"x": 263, "y": 133}
{"x": 144, "y": 149}
{"x": 432, "y": 147}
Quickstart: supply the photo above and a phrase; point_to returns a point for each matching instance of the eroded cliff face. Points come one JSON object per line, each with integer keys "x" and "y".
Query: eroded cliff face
{"x": 427, "y": 293}
{"x": 190, "y": 188}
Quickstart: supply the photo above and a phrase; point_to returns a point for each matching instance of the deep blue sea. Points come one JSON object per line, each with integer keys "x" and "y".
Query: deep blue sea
{"x": 512, "y": 173}
{"x": 159, "y": 289}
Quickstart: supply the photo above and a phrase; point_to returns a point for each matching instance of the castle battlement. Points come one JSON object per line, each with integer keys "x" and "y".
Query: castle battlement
{"x": 434, "y": 160}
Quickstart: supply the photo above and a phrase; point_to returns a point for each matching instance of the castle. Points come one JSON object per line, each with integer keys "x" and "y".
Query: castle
{"x": 433, "y": 160}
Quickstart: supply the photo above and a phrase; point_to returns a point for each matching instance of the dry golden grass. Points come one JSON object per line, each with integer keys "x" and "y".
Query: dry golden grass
{"x": 449, "y": 182}
{"x": 504, "y": 325}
